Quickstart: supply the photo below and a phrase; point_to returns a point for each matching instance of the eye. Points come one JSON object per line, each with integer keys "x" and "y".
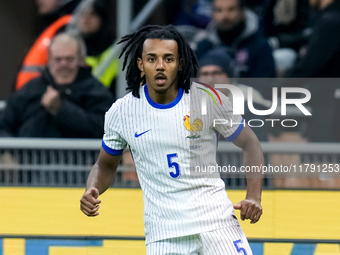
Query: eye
{"x": 234, "y": 8}
{"x": 70, "y": 59}
{"x": 169, "y": 59}
{"x": 217, "y": 10}
{"x": 152, "y": 59}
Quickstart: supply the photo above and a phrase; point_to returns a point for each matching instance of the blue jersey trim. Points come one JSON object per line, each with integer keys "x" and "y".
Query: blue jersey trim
{"x": 236, "y": 133}
{"x": 111, "y": 151}
{"x": 163, "y": 106}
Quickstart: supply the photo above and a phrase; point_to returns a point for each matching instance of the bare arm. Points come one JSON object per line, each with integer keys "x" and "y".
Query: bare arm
{"x": 99, "y": 180}
{"x": 253, "y": 156}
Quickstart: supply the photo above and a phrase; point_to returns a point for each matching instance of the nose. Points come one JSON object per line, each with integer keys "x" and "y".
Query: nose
{"x": 63, "y": 62}
{"x": 160, "y": 65}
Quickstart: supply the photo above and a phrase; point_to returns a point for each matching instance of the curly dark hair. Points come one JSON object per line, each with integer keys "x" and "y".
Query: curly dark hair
{"x": 133, "y": 49}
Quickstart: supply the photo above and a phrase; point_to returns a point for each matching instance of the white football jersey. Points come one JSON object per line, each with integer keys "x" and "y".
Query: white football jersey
{"x": 167, "y": 142}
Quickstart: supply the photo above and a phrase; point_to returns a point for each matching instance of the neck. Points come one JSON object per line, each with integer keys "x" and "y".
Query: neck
{"x": 163, "y": 96}
{"x": 63, "y": 82}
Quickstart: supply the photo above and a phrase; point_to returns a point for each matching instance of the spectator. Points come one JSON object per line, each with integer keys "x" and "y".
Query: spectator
{"x": 65, "y": 102}
{"x": 195, "y": 13}
{"x": 236, "y": 27}
{"x": 322, "y": 60}
{"x": 216, "y": 67}
{"x": 92, "y": 25}
{"x": 256, "y": 6}
{"x": 36, "y": 59}
{"x": 286, "y": 23}
{"x": 51, "y": 10}
{"x": 46, "y": 7}
{"x": 190, "y": 17}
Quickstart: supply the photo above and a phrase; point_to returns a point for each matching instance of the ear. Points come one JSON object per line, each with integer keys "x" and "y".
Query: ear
{"x": 140, "y": 64}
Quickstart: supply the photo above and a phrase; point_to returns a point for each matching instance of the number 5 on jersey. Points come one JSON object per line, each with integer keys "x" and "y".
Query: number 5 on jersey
{"x": 238, "y": 248}
{"x": 176, "y": 173}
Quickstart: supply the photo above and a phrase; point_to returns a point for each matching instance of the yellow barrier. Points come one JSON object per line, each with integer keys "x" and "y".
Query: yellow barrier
{"x": 55, "y": 211}
{"x": 14, "y": 246}
{"x": 108, "y": 248}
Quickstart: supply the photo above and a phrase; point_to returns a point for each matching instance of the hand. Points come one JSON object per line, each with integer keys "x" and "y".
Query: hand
{"x": 250, "y": 209}
{"x": 89, "y": 203}
{"x": 51, "y": 100}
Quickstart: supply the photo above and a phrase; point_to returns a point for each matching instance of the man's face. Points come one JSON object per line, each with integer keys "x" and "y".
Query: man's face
{"x": 46, "y": 6}
{"x": 89, "y": 22}
{"x": 160, "y": 64}
{"x": 64, "y": 61}
{"x": 212, "y": 74}
{"x": 227, "y": 14}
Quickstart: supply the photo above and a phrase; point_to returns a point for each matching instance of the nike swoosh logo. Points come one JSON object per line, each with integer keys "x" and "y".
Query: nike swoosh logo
{"x": 138, "y": 135}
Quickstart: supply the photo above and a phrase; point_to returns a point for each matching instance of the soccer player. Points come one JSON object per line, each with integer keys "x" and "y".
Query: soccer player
{"x": 184, "y": 212}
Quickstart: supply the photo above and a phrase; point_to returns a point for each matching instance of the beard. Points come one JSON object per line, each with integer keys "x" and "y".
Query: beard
{"x": 228, "y": 36}
{"x": 65, "y": 71}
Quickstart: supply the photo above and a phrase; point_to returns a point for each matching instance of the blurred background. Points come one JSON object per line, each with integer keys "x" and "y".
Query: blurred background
{"x": 257, "y": 44}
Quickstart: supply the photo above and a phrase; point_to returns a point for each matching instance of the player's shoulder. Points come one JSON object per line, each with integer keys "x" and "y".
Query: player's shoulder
{"x": 119, "y": 104}
{"x": 127, "y": 101}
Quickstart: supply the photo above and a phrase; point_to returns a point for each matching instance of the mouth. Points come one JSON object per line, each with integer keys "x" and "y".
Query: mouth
{"x": 160, "y": 79}
{"x": 63, "y": 70}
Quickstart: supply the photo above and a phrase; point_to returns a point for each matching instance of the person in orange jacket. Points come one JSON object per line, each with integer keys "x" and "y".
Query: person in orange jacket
{"x": 36, "y": 59}
{"x": 66, "y": 101}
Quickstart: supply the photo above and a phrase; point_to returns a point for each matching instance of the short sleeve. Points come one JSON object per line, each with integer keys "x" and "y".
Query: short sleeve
{"x": 113, "y": 142}
{"x": 229, "y": 125}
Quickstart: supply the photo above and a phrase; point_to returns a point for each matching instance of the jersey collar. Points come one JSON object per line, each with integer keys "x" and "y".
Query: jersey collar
{"x": 163, "y": 106}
